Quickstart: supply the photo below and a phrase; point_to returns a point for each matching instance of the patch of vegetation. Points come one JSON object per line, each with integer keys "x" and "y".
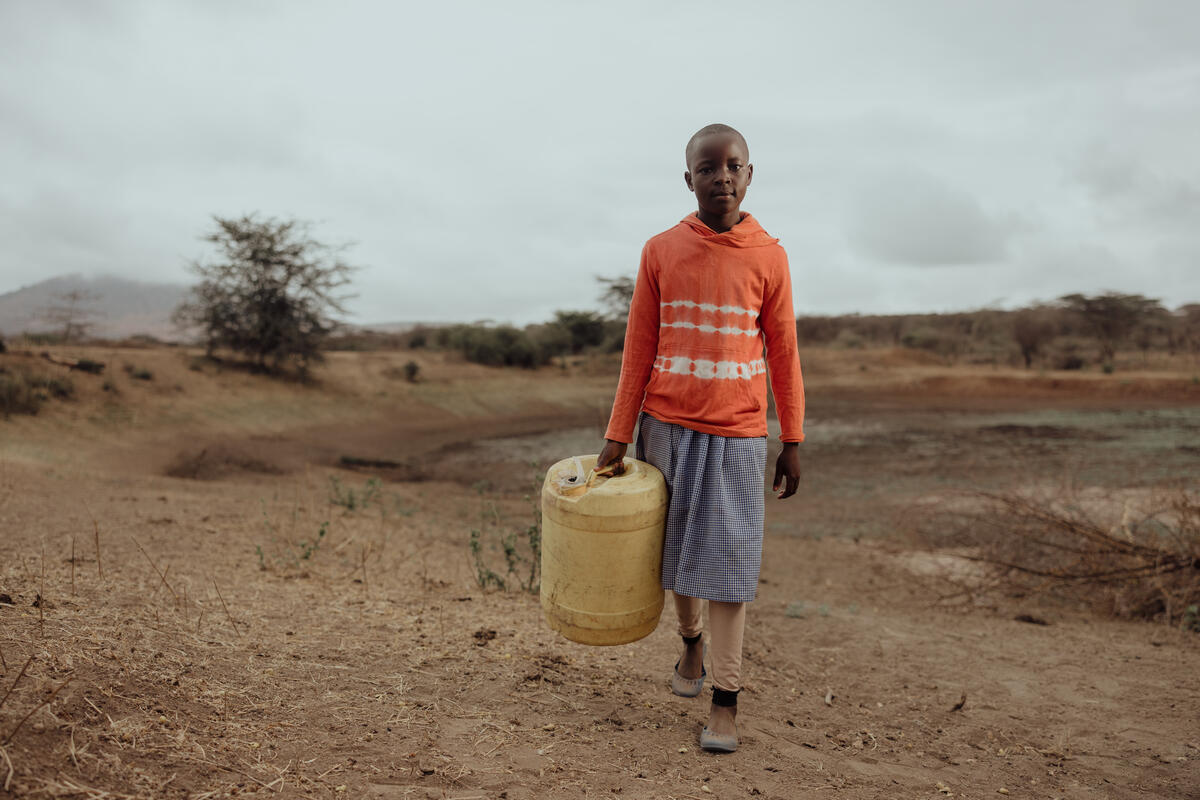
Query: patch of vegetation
{"x": 521, "y": 548}
{"x": 89, "y": 366}
{"x": 409, "y": 372}
{"x": 288, "y": 554}
{"x": 353, "y": 499}
{"x": 493, "y": 346}
{"x": 1191, "y": 618}
{"x": 22, "y": 392}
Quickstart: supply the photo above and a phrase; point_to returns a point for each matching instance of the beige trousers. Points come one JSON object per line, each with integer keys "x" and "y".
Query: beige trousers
{"x": 726, "y": 624}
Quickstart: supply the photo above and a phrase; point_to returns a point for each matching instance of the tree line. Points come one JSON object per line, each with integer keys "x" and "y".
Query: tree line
{"x": 1069, "y": 333}
{"x": 272, "y": 297}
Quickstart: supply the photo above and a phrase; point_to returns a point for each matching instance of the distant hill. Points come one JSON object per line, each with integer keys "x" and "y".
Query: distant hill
{"x": 119, "y": 307}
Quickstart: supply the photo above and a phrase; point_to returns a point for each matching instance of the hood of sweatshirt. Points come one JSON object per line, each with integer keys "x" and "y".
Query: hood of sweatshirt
{"x": 747, "y": 233}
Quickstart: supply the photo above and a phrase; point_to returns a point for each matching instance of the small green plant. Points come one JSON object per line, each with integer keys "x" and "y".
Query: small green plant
{"x": 411, "y": 370}
{"x": 521, "y": 548}
{"x": 1191, "y": 618}
{"x": 290, "y": 554}
{"x": 484, "y": 575}
{"x": 351, "y": 499}
{"x": 309, "y": 547}
{"x": 1107, "y": 368}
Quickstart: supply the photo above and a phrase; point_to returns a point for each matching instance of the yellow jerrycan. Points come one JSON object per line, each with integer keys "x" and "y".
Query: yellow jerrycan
{"x": 602, "y": 540}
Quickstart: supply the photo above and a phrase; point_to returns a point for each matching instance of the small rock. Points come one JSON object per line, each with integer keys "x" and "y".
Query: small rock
{"x": 705, "y": 788}
{"x": 683, "y": 749}
{"x": 1002, "y": 790}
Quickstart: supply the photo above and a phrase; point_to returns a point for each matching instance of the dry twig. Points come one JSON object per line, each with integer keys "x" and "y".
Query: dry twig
{"x": 227, "y": 614}
{"x": 49, "y": 698}
{"x": 16, "y": 681}
{"x": 162, "y": 575}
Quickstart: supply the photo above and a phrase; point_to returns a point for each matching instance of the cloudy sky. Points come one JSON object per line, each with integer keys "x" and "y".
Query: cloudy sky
{"x": 489, "y": 160}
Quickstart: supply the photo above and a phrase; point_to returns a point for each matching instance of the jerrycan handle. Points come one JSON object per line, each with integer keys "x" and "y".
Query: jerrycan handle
{"x": 608, "y": 473}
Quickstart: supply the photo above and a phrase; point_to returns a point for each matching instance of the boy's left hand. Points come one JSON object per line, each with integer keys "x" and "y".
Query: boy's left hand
{"x": 787, "y": 466}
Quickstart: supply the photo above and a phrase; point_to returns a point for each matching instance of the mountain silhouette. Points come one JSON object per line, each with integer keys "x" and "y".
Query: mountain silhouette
{"x": 116, "y": 307}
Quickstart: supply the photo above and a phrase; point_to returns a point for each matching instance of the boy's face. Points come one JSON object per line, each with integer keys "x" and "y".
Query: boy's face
{"x": 719, "y": 170}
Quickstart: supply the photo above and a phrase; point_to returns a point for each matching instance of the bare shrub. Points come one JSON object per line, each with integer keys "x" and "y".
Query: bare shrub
{"x": 1137, "y": 559}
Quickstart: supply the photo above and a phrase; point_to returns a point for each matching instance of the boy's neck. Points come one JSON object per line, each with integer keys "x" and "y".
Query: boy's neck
{"x": 720, "y": 222}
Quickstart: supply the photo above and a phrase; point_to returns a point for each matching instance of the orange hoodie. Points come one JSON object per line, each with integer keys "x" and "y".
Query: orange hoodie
{"x": 703, "y": 307}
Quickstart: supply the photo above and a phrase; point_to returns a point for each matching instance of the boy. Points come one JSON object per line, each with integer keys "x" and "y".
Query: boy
{"x": 709, "y": 293}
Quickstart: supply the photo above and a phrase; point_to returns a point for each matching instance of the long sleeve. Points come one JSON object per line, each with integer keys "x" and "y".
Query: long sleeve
{"x": 641, "y": 347}
{"x": 778, "y": 324}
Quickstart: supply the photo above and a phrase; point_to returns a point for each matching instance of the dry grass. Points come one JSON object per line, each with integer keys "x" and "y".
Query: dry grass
{"x": 160, "y": 661}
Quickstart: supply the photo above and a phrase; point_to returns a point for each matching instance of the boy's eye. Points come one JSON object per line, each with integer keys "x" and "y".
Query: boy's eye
{"x": 735, "y": 167}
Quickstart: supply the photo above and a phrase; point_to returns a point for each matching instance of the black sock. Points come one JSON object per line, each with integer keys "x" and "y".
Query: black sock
{"x": 724, "y": 698}
{"x": 689, "y": 640}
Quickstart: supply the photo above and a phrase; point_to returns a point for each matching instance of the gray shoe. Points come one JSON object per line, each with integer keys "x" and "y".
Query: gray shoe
{"x": 715, "y": 743}
{"x": 689, "y": 687}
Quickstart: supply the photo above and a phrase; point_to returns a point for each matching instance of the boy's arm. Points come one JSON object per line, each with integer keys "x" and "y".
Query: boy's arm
{"x": 637, "y": 361}
{"x": 778, "y": 322}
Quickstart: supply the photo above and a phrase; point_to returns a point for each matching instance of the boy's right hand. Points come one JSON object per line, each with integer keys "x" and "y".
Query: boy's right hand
{"x": 614, "y": 454}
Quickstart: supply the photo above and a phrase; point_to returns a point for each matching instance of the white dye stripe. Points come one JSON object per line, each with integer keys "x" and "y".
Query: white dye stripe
{"x": 709, "y": 370}
{"x": 750, "y": 312}
{"x": 725, "y": 329}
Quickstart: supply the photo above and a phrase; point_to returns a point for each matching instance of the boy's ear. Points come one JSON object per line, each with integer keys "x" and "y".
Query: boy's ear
{"x": 687, "y": 178}
{"x": 749, "y": 173}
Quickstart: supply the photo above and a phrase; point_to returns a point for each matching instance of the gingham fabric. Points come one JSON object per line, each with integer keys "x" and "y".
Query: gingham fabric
{"x": 713, "y": 545}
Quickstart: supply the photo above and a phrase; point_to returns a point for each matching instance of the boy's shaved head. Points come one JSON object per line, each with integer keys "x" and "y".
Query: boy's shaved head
{"x": 711, "y": 130}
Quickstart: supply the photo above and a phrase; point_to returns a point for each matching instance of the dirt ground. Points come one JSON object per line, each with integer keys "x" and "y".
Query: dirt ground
{"x": 214, "y": 584}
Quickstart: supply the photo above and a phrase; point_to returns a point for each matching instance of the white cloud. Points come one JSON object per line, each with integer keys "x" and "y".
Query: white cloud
{"x": 914, "y": 218}
{"x": 513, "y": 151}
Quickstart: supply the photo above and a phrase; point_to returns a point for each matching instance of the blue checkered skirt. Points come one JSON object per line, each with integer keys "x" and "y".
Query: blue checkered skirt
{"x": 713, "y": 545}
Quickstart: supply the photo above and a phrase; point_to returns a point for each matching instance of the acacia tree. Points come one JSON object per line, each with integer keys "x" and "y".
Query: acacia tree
{"x": 1189, "y": 328}
{"x": 1032, "y": 328}
{"x": 617, "y": 294}
{"x": 270, "y": 295}
{"x": 1112, "y": 316}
